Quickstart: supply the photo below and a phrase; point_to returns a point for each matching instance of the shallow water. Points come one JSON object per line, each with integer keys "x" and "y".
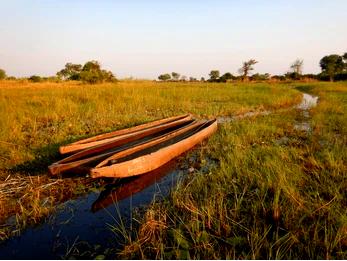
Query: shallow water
{"x": 82, "y": 224}
{"x": 81, "y": 227}
{"x": 308, "y": 102}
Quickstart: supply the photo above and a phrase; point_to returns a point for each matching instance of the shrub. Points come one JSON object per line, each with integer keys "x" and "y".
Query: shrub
{"x": 164, "y": 77}
{"x": 2, "y": 74}
{"x": 35, "y": 78}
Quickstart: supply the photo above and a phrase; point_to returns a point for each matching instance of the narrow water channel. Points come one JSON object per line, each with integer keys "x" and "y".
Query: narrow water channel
{"x": 83, "y": 223}
{"x": 308, "y": 101}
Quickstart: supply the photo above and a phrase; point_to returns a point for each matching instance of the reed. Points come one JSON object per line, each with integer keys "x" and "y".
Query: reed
{"x": 36, "y": 118}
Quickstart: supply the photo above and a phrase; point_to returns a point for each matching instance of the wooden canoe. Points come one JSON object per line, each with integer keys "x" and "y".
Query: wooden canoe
{"x": 124, "y": 145}
{"x": 107, "y": 137}
{"x": 151, "y": 161}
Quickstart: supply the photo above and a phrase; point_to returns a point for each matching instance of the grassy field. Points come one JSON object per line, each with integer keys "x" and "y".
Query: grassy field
{"x": 36, "y": 118}
{"x": 276, "y": 192}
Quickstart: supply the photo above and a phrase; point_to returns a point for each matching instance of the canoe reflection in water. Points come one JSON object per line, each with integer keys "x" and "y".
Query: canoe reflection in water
{"x": 124, "y": 188}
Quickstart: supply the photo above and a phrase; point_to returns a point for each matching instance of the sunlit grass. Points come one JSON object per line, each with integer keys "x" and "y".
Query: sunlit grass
{"x": 36, "y": 118}
{"x": 39, "y": 115}
{"x": 277, "y": 193}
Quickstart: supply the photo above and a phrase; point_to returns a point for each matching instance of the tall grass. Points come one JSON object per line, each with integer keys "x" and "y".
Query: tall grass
{"x": 277, "y": 193}
{"x": 41, "y": 115}
{"x": 36, "y": 118}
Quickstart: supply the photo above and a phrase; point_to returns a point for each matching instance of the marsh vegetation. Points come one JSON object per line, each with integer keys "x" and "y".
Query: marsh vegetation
{"x": 276, "y": 191}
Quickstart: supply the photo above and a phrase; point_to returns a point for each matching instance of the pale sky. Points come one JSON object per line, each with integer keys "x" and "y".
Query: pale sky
{"x": 146, "y": 38}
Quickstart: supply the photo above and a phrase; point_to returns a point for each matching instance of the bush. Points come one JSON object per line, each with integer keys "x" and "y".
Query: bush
{"x": 35, "y": 78}
{"x": 341, "y": 77}
{"x": 337, "y": 77}
{"x": 90, "y": 73}
{"x": 2, "y": 74}
{"x": 164, "y": 77}
{"x": 91, "y": 77}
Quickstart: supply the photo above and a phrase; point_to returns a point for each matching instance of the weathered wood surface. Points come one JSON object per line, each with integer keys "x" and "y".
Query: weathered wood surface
{"x": 97, "y": 153}
{"x": 152, "y": 161}
{"x": 107, "y": 137}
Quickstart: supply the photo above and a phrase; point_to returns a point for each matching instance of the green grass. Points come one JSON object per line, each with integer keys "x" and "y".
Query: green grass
{"x": 277, "y": 193}
{"x": 36, "y": 118}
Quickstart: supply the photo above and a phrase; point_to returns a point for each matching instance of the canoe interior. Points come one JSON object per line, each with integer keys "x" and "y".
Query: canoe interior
{"x": 121, "y": 145}
{"x": 130, "y": 130}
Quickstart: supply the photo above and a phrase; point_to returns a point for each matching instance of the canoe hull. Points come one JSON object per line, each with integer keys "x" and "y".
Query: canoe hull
{"x": 152, "y": 161}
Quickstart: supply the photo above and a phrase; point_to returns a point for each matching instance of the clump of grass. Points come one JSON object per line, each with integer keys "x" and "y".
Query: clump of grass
{"x": 269, "y": 198}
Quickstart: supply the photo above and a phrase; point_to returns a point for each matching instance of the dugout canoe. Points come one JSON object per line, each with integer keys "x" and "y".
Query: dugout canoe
{"x": 124, "y": 146}
{"x": 107, "y": 137}
{"x": 143, "y": 164}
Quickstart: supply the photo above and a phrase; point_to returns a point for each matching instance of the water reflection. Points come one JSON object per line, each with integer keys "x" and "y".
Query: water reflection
{"x": 308, "y": 102}
{"x": 128, "y": 187}
{"x": 77, "y": 224}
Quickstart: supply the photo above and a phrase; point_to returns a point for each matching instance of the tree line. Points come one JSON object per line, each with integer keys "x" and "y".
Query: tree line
{"x": 91, "y": 72}
{"x": 333, "y": 67}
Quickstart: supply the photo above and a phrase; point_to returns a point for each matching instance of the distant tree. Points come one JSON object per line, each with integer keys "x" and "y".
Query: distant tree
{"x": 2, "y": 74}
{"x": 108, "y": 76}
{"x": 310, "y": 76}
{"x": 246, "y": 68}
{"x": 92, "y": 73}
{"x": 175, "y": 76}
{"x": 226, "y": 77}
{"x": 183, "y": 78}
{"x": 91, "y": 66}
{"x": 164, "y": 77}
{"x": 260, "y": 77}
{"x": 11, "y": 78}
{"x": 344, "y": 56}
{"x": 296, "y": 67}
{"x": 331, "y": 65}
{"x": 292, "y": 75}
{"x": 214, "y": 75}
{"x": 91, "y": 77}
{"x": 192, "y": 79}
{"x": 70, "y": 72}
{"x": 35, "y": 78}
{"x": 202, "y": 79}
{"x": 278, "y": 77}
